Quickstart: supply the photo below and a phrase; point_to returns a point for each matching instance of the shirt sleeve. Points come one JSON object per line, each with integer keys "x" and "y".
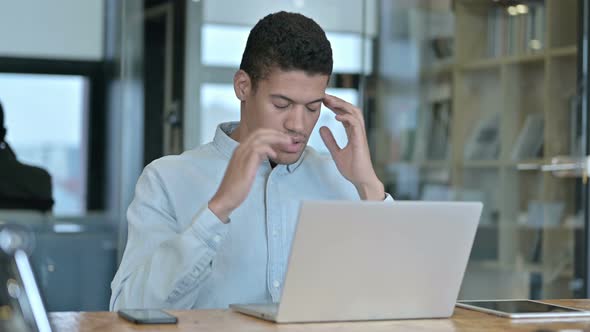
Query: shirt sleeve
{"x": 163, "y": 266}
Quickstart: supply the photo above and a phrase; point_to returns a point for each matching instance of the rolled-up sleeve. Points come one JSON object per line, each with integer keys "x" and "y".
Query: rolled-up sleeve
{"x": 163, "y": 266}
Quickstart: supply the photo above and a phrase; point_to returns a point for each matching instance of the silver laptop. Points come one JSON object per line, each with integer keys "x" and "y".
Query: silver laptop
{"x": 374, "y": 261}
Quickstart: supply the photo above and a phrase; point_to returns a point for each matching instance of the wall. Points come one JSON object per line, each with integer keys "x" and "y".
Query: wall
{"x": 331, "y": 15}
{"x": 55, "y": 29}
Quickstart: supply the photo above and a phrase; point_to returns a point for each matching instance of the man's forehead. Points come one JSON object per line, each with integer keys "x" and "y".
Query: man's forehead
{"x": 296, "y": 85}
{"x": 282, "y": 74}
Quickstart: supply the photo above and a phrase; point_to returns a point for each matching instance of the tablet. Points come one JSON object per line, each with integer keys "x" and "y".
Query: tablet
{"x": 522, "y": 309}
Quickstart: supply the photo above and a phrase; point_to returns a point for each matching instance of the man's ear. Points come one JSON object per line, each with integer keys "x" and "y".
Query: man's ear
{"x": 242, "y": 84}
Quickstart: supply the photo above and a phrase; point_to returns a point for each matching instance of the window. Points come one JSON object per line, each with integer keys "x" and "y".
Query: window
{"x": 223, "y": 46}
{"x": 46, "y": 121}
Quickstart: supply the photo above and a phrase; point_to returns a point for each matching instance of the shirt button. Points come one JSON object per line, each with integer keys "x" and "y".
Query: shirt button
{"x": 275, "y": 233}
{"x": 276, "y": 284}
{"x": 217, "y": 238}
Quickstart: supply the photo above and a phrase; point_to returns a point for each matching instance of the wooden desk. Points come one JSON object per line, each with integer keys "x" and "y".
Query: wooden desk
{"x": 226, "y": 320}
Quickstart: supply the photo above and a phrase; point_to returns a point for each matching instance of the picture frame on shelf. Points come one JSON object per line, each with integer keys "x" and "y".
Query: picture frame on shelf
{"x": 529, "y": 143}
{"x": 484, "y": 141}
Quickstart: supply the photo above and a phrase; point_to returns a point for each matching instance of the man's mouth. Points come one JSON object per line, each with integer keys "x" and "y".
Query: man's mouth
{"x": 295, "y": 146}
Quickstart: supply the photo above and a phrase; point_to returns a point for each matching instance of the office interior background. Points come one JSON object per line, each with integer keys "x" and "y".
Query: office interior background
{"x": 469, "y": 100}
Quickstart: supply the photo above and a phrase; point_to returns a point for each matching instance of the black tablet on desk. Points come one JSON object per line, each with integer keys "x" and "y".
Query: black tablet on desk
{"x": 522, "y": 309}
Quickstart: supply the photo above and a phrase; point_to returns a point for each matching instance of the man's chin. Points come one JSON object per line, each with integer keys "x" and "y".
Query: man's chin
{"x": 285, "y": 158}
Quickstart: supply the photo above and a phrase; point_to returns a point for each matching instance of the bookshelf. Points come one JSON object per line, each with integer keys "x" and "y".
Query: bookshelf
{"x": 512, "y": 79}
{"x": 526, "y": 85}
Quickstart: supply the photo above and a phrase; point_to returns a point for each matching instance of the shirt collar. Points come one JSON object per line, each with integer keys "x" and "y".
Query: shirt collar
{"x": 226, "y": 145}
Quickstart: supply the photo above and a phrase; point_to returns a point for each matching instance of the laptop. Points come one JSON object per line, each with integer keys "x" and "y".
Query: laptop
{"x": 355, "y": 261}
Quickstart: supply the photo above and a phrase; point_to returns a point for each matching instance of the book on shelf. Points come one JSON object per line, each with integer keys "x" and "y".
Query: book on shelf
{"x": 529, "y": 144}
{"x": 439, "y": 131}
{"x": 516, "y": 29}
{"x": 444, "y": 192}
{"x": 438, "y": 192}
{"x": 484, "y": 141}
{"x": 407, "y": 143}
{"x": 432, "y": 139}
{"x": 431, "y": 32}
{"x": 544, "y": 214}
{"x": 421, "y": 136}
{"x": 442, "y": 48}
{"x": 406, "y": 131}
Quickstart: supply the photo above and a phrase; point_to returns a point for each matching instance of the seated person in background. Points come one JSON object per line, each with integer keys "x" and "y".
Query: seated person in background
{"x": 22, "y": 187}
{"x": 183, "y": 251}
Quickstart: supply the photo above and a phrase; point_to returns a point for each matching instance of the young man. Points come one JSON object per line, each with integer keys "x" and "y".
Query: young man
{"x": 214, "y": 225}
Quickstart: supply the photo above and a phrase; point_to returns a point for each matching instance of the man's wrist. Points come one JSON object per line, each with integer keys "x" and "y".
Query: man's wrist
{"x": 374, "y": 191}
{"x": 219, "y": 210}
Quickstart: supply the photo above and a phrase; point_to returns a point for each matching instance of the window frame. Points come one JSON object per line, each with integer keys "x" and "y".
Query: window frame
{"x": 95, "y": 73}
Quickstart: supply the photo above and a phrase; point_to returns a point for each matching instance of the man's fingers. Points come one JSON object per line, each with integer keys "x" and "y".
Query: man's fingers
{"x": 269, "y": 138}
{"x": 266, "y": 152}
{"x": 351, "y": 124}
{"x": 340, "y": 106}
{"x": 329, "y": 140}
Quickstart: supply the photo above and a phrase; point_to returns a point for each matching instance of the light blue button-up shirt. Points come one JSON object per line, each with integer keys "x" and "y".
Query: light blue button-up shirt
{"x": 180, "y": 255}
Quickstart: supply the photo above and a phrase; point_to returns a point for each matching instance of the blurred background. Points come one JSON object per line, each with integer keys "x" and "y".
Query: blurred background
{"x": 471, "y": 100}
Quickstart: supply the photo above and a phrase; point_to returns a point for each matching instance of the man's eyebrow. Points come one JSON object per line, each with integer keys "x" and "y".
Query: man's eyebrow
{"x": 292, "y": 101}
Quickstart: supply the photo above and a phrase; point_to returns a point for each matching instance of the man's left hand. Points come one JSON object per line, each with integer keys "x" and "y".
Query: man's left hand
{"x": 354, "y": 160}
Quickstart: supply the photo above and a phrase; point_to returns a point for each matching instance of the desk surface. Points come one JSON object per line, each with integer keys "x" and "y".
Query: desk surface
{"x": 227, "y": 320}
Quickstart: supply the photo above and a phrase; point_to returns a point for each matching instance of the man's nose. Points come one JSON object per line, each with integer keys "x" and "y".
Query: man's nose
{"x": 295, "y": 119}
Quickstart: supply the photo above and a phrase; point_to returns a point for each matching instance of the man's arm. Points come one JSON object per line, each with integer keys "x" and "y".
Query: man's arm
{"x": 163, "y": 266}
{"x": 241, "y": 170}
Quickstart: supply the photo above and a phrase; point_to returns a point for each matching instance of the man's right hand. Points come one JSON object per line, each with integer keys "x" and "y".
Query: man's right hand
{"x": 242, "y": 168}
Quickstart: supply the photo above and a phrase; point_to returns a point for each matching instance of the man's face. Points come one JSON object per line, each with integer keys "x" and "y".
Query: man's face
{"x": 287, "y": 101}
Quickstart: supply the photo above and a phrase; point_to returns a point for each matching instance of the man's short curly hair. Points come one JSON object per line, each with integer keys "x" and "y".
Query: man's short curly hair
{"x": 288, "y": 41}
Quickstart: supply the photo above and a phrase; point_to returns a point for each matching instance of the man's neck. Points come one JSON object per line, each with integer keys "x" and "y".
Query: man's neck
{"x": 236, "y": 134}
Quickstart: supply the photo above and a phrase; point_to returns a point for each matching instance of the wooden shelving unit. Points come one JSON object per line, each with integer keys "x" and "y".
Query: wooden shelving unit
{"x": 518, "y": 86}
{"x": 515, "y": 86}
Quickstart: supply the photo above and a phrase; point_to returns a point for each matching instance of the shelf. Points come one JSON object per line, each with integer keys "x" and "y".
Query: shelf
{"x": 524, "y": 58}
{"x": 508, "y": 60}
{"x": 560, "y": 227}
{"x": 564, "y": 51}
{"x": 494, "y": 264}
{"x": 526, "y": 267}
{"x": 442, "y": 164}
{"x": 487, "y": 79}
{"x": 482, "y": 163}
{"x": 522, "y": 165}
{"x": 482, "y": 64}
{"x": 435, "y": 164}
{"x": 527, "y": 165}
{"x": 437, "y": 70}
{"x": 569, "y": 223}
{"x": 486, "y": 63}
